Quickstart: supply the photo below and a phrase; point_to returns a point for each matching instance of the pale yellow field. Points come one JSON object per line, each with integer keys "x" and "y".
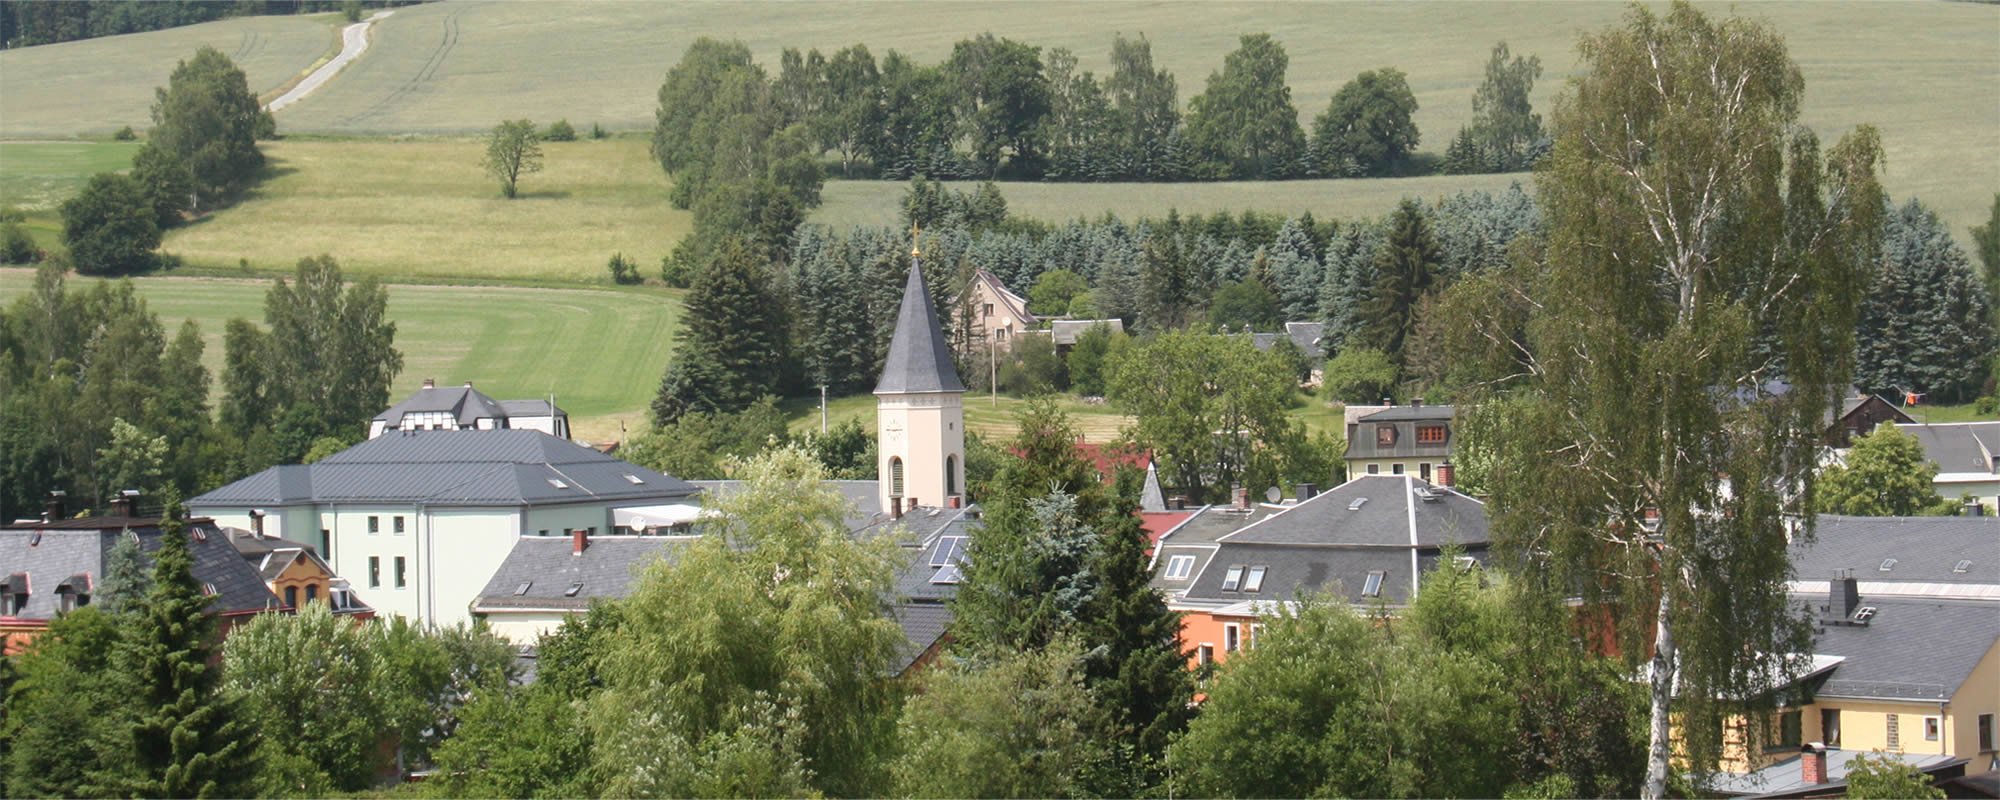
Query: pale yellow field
{"x": 425, "y": 210}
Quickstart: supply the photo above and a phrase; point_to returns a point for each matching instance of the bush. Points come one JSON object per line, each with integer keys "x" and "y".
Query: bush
{"x": 623, "y": 271}
{"x": 16, "y": 246}
{"x": 1360, "y": 375}
{"x": 125, "y": 134}
{"x": 676, "y": 272}
{"x": 597, "y": 131}
{"x": 351, "y": 9}
{"x": 560, "y": 131}
{"x": 109, "y": 226}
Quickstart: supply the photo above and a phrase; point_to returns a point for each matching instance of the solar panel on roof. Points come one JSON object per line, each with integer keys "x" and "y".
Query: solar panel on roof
{"x": 947, "y": 575}
{"x": 948, "y": 550}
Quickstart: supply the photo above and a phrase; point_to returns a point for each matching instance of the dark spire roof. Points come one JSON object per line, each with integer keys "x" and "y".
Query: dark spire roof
{"x": 919, "y": 360}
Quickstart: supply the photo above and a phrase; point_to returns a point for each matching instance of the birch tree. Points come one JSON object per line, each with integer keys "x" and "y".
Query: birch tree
{"x": 1700, "y": 249}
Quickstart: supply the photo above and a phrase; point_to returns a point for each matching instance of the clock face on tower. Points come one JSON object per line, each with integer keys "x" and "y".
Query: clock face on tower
{"x": 892, "y": 430}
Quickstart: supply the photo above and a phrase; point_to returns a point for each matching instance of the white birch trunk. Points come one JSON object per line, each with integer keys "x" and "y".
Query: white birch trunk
{"x": 1659, "y": 754}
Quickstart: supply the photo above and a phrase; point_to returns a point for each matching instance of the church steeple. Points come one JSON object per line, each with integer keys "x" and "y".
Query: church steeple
{"x": 919, "y": 408}
{"x": 919, "y": 358}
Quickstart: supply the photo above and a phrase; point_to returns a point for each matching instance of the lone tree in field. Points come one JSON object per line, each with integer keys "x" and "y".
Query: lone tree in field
{"x": 1699, "y": 249}
{"x": 208, "y": 118}
{"x": 512, "y": 150}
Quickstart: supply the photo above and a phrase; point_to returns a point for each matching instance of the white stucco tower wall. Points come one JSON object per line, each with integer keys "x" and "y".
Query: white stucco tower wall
{"x": 919, "y": 409}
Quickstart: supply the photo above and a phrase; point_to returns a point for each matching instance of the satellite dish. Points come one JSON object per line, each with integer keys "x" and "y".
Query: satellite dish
{"x": 1273, "y": 495}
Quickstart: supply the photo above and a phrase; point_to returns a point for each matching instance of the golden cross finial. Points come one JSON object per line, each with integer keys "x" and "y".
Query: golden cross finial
{"x": 914, "y": 231}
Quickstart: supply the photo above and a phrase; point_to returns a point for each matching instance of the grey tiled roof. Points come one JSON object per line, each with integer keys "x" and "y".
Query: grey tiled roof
{"x": 864, "y": 497}
{"x": 1196, "y": 537}
{"x": 1327, "y": 543}
{"x": 913, "y": 581}
{"x": 1910, "y": 649}
{"x": 923, "y": 625}
{"x": 1786, "y": 777}
{"x": 1066, "y": 331}
{"x": 466, "y": 404}
{"x": 530, "y": 408}
{"x": 468, "y": 468}
{"x": 1961, "y": 446}
{"x": 1926, "y": 549}
{"x": 548, "y": 567}
{"x": 51, "y": 554}
{"x": 1406, "y": 413}
{"x": 919, "y": 358}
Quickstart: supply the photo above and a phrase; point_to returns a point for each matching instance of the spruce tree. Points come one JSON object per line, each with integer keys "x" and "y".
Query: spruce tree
{"x": 186, "y": 740}
{"x": 1925, "y": 327}
{"x": 1405, "y": 269}
{"x": 732, "y": 342}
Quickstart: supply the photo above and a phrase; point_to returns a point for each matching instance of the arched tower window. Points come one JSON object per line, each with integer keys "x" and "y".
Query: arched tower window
{"x": 950, "y": 475}
{"x": 895, "y": 476}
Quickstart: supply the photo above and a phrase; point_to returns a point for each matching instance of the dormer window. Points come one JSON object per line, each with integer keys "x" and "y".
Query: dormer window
{"x": 1385, "y": 436}
{"x": 1430, "y": 434}
{"x": 1255, "y": 580}
{"x": 1233, "y": 578}
{"x": 14, "y": 594}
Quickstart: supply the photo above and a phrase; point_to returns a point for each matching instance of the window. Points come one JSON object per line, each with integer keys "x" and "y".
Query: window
{"x": 989, "y": 309}
{"x": 1385, "y": 436}
{"x": 1932, "y": 725}
{"x": 1784, "y": 732}
{"x": 1374, "y": 469}
{"x": 1396, "y": 468}
{"x": 1985, "y": 733}
{"x": 1962, "y": 565}
{"x": 374, "y": 572}
{"x": 895, "y": 476}
{"x": 292, "y": 596}
{"x": 1205, "y": 655}
{"x": 374, "y": 524}
{"x": 950, "y": 475}
{"x": 1232, "y": 579}
{"x": 1255, "y": 631}
{"x": 400, "y": 573}
{"x": 1424, "y": 471}
{"x": 1829, "y": 727}
{"x": 1895, "y": 735}
{"x": 1178, "y": 567}
{"x": 1887, "y": 564}
{"x": 1255, "y": 580}
{"x": 1232, "y": 637}
{"x": 1430, "y": 434}
{"x": 312, "y": 592}
{"x": 1373, "y": 588}
{"x": 573, "y": 589}
{"x": 397, "y": 524}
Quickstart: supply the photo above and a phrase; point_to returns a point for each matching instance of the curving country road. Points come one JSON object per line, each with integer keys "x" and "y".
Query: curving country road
{"x": 353, "y": 40}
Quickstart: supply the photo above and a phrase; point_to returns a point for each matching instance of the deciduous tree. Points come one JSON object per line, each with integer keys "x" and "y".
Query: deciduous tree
{"x": 208, "y": 117}
{"x": 1886, "y": 474}
{"x": 1008, "y": 724}
{"x": 1685, "y": 213}
{"x": 305, "y": 682}
{"x": 1244, "y": 119}
{"x": 1209, "y": 407}
{"x": 1504, "y": 123}
{"x": 110, "y": 227}
{"x": 513, "y": 149}
{"x": 1369, "y": 120}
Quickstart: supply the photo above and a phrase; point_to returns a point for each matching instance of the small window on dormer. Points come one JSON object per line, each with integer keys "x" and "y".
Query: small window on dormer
{"x": 1430, "y": 434}
{"x": 1385, "y": 436}
{"x": 1233, "y": 578}
{"x": 1255, "y": 580}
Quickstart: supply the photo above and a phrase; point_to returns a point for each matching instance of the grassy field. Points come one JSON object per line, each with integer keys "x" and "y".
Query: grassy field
{"x": 424, "y": 210}
{"x": 1926, "y": 73}
{"x": 600, "y": 352}
{"x": 96, "y": 86}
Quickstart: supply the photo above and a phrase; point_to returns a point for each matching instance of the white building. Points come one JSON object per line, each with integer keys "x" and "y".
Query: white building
{"x": 419, "y": 521}
{"x": 462, "y": 408}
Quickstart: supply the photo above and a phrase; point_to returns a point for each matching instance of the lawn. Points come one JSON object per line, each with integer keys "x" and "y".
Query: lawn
{"x": 96, "y": 86}
{"x": 1925, "y": 73}
{"x": 600, "y": 353}
{"x": 424, "y": 210}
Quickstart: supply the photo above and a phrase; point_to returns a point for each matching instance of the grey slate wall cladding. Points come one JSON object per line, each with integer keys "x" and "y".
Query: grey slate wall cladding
{"x": 467, "y": 468}
{"x": 1361, "y": 441}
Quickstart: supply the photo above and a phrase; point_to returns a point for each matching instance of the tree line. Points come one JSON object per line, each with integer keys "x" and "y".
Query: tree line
{"x": 998, "y": 108}
{"x": 95, "y": 398}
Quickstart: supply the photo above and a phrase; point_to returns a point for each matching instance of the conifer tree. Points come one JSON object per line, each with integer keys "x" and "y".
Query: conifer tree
{"x": 186, "y": 740}
{"x": 1405, "y": 270}
{"x": 732, "y": 342}
{"x": 1925, "y": 325}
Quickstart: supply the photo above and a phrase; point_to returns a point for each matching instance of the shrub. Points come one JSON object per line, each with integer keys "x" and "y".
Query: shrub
{"x": 1360, "y": 375}
{"x": 16, "y": 247}
{"x": 560, "y": 131}
{"x": 109, "y": 226}
{"x": 597, "y": 131}
{"x": 125, "y": 134}
{"x": 676, "y": 272}
{"x": 623, "y": 271}
{"x": 351, "y": 9}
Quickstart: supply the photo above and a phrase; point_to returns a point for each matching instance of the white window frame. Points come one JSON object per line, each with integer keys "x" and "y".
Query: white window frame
{"x": 1376, "y": 577}
{"x": 1204, "y": 653}
{"x": 1256, "y": 630}
{"x": 374, "y": 525}
{"x": 396, "y": 524}
{"x": 1178, "y": 567}
{"x": 402, "y": 575}
{"x": 1232, "y": 637}
{"x": 1233, "y": 578}
{"x": 1933, "y": 728}
{"x": 1254, "y": 579}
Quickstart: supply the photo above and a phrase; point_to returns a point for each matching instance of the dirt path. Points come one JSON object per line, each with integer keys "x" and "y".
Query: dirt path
{"x": 353, "y": 40}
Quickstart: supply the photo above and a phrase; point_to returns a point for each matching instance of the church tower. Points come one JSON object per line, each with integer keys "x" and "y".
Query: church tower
{"x": 919, "y": 409}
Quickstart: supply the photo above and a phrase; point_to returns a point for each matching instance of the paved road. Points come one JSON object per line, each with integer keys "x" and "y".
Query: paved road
{"x": 353, "y": 40}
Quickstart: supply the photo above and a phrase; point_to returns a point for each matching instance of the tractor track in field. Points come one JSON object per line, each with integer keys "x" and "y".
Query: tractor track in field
{"x": 446, "y": 43}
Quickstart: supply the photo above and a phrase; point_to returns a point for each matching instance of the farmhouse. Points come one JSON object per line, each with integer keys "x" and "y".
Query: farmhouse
{"x": 423, "y": 519}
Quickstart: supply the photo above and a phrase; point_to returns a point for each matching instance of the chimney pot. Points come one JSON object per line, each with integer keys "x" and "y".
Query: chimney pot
{"x": 1240, "y": 498}
{"x": 1416, "y": 402}
{"x": 257, "y": 523}
{"x": 53, "y": 510}
{"x": 468, "y": 384}
{"x": 430, "y": 383}
{"x": 1812, "y": 763}
{"x": 579, "y": 541}
{"x": 1975, "y": 509}
{"x": 952, "y": 501}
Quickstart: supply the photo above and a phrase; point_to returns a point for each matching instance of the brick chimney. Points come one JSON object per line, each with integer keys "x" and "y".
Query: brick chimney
{"x": 895, "y": 508}
{"x": 256, "y": 524}
{"x": 430, "y": 383}
{"x": 1843, "y": 595}
{"x": 1308, "y": 491}
{"x": 953, "y": 501}
{"x": 1812, "y": 763}
{"x": 579, "y": 541}
{"x": 1447, "y": 475}
{"x": 1240, "y": 499}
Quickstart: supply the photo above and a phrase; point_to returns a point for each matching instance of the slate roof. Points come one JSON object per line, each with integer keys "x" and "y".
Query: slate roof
{"x": 929, "y": 532}
{"x": 923, "y": 625}
{"x": 1361, "y": 442}
{"x": 1950, "y": 636}
{"x": 531, "y": 408}
{"x": 864, "y": 497}
{"x": 454, "y": 468}
{"x": 1786, "y": 777}
{"x": 919, "y": 357}
{"x": 548, "y": 567}
{"x": 1196, "y": 537}
{"x": 1960, "y": 446}
{"x": 466, "y": 404}
{"x": 1926, "y": 549}
{"x": 1066, "y": 331}
{"x": 1329, "y": 542}
{"x": 1303, "y": 334}
{"x": 51, "y": 553}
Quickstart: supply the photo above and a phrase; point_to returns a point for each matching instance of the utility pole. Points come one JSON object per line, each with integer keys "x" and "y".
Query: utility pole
{"x": 822, "y": 409}
{"x": 993, "y": 367}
